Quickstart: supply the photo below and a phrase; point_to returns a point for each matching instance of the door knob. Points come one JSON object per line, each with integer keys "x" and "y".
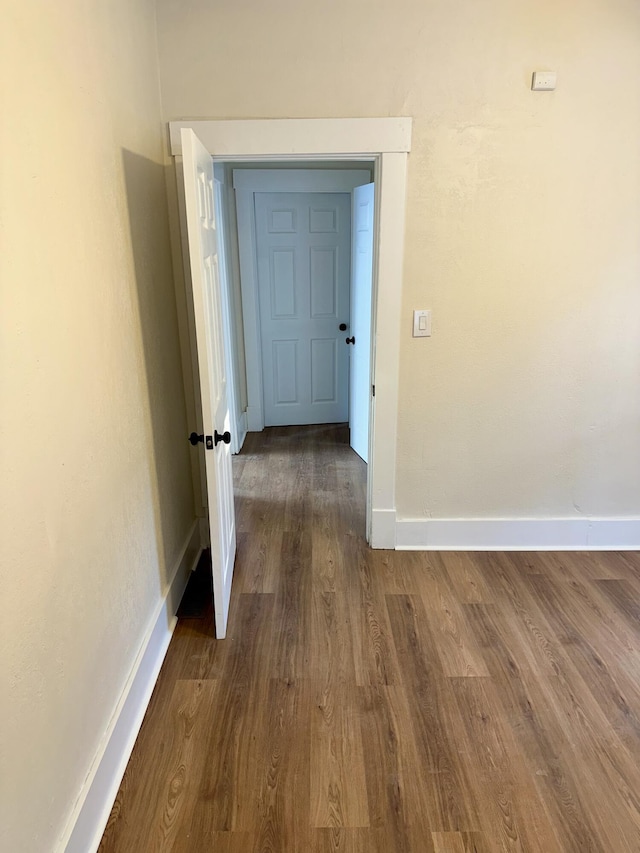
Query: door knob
{"x": 343, "y": 327}
{"x": 194, "y": 438}
{"x": 351, "y": 340}
{"x": 225, "y": 437}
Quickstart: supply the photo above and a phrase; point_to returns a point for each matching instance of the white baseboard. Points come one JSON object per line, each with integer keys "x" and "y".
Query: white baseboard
{"x": 514, "y": 534}
{"x": 89, "y": 817}
{"x": 383, "y": 528}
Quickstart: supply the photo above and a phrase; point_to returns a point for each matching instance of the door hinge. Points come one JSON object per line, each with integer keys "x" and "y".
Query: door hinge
{"x": 373, "y": 390}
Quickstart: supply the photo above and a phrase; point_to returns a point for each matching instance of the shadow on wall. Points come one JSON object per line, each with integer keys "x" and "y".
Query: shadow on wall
{"x": 166, "y": 426}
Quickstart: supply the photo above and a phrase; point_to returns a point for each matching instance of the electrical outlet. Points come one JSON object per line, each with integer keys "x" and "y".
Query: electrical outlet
{"x": 543, "y": 81}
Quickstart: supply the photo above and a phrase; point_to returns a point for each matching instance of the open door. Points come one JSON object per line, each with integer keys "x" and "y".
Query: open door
{"x": 360, "y": 322}
{"x": 201, "y": 229}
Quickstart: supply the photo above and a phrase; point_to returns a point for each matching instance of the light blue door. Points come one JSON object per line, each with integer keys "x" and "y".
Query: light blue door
{"x": 303, "y": 257}
{"x": 360, "y": 350}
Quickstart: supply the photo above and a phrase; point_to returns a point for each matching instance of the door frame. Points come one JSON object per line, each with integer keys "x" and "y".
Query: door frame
{"x": 237, "y": 417}
{"x": 248, "y": 182}
{"x": 386, "y": 143}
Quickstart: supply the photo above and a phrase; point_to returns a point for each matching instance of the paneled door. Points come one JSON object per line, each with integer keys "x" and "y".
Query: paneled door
{"x": 303, "y": 264}
{"x": 201, "y": 229}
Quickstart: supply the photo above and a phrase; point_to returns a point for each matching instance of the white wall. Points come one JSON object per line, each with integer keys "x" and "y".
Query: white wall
{"x": 95, "y": 493}
{"x": 522, "y": 223}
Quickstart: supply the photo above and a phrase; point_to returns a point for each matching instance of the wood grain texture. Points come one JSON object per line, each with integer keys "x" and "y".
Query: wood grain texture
{"x": 388, "y": 702}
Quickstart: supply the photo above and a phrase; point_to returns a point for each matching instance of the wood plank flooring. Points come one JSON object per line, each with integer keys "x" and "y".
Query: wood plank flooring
{"x": 375, "y": 701}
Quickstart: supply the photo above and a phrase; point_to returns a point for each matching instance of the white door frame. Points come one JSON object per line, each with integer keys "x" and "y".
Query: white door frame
{"x": 386, "y": 142}
{"x": 237, "y": 417}
{"x": 248, "y": 182}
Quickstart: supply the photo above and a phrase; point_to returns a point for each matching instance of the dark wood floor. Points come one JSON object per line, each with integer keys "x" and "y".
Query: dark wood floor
{"x": 376, "y": 701}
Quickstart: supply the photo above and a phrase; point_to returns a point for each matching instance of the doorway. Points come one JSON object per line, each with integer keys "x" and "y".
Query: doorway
{"x": 305, "y": 246}
{"x": 384, "y": 143}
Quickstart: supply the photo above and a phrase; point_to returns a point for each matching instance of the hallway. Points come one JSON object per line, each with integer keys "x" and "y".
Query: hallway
{"x": 377, "y": 701}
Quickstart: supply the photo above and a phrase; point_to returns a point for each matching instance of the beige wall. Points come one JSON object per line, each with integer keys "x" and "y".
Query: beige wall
{"x": 522, "y": 222}
{"x": 95, "y": 491}
{"x": 523, "y": 216}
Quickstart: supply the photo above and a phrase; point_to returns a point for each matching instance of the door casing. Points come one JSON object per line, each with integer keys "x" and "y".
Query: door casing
{"x": 385, "y": 142}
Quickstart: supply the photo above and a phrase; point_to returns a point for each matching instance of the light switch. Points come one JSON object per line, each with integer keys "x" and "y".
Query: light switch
{"x": 421, "y": 324}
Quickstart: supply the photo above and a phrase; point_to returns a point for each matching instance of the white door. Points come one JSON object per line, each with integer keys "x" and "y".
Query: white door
{"x": 361, "y": 285}
{"x": 303, "y": 254}
{"x": 201, "y": 228}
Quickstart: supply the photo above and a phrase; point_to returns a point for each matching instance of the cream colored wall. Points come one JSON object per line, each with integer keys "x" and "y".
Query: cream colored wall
{"x": 95, "y": 492}
{"x": 522, "y": 222}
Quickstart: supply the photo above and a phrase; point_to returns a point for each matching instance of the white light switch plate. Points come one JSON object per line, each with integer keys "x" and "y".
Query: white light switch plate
{"x": 421, "y": 324}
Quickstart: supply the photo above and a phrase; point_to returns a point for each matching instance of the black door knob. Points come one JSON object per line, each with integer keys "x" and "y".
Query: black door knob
{"x": 351, "y": 340}
{"x": 343, "y": 327}
{"x": 194, "y": 438}
{"x": 225, "y": 437}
